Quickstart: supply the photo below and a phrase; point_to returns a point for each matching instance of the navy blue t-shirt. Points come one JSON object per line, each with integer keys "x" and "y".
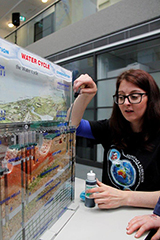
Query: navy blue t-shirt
{"x": 133, "y": 168}
{"x": 157, "y": 208}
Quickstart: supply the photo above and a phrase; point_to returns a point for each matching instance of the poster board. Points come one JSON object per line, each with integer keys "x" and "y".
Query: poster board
{"x": 31, "y": 87}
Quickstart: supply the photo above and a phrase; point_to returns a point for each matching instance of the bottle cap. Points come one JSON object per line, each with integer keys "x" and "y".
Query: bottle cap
{"x": 91, "y": 175}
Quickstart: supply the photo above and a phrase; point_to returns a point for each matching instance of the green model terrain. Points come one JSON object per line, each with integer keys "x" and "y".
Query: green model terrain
{"x": 34, "y": 109}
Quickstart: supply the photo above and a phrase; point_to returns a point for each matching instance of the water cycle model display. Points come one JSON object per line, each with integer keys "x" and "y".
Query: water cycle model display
{"x": 31, "y": 88}
{"x": 37, "y": 146}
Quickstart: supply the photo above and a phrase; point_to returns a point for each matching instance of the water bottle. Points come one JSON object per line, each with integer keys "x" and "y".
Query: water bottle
{"x": 90, "y": 183}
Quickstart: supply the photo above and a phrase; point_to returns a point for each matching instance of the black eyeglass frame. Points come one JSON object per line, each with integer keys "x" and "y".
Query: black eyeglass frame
{"x": 127, "y": 96}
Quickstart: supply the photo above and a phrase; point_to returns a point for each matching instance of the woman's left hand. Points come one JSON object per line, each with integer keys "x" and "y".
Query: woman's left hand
{"x": 144, "y": 223}
{"x": 106, "y": 197}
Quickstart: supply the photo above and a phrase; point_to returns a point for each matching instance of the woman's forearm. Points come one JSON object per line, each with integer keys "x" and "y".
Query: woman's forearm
{"x": 87, "y": 90}
{"x": 77, "y": 109}
{"x": 140, "y": 199}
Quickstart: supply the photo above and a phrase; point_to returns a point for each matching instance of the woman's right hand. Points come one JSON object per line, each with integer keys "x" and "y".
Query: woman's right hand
{"x": 86, "y": 89}
{"x": 86, "y": 85}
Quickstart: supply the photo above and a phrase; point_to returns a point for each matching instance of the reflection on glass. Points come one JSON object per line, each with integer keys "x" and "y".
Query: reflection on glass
{"x": 79, "y": 67}
{"x": 144, "y": 55}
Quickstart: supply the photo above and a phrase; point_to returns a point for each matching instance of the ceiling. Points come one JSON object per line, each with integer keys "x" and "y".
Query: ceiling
{"x": 26, "y": 8}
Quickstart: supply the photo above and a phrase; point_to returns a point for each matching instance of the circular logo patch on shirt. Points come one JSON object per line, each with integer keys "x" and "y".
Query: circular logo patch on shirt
{"x": 123, "y": 170}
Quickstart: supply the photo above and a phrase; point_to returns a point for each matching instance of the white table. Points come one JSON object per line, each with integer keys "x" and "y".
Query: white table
{"x": 82, "y": 223}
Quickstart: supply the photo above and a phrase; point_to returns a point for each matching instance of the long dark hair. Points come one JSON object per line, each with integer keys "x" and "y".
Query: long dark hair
{"x": 151, "y": 125}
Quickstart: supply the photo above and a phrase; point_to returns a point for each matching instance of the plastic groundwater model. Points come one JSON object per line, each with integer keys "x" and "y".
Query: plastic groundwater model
{"x": 37, "y": 146}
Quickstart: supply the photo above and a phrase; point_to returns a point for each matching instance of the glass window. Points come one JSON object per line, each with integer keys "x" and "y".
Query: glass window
{"x": 71, "y": 11}
{"x": 79, "y": 67}
{"x": 89, "y": 115}
{"x": 84, "y": 147}
{"x": 107, "y": 63}
{"x": 104, "y": 113}
{"x": 44, "y": 27}
{"x": 106, "y": 89}
{"x": 38, "y": 30}
{"x": 156, "y": 77}
{"x": 21, "y": 41}
{"x": 100, "y": 152}
{"x": 144, "y": 55}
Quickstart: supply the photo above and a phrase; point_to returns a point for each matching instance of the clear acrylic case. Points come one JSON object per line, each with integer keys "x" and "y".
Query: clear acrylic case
{"x": 37, "y": 176}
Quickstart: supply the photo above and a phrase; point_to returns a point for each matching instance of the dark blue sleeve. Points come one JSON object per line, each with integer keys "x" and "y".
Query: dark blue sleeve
{"x": 157, "y": 208}
{"x": 84, "y": 130}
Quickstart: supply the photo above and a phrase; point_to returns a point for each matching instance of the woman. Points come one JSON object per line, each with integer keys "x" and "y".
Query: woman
{"x": 130, "y": 138}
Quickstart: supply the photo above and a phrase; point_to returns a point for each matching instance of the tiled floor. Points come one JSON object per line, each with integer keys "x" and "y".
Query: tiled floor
{"x": 82, "y": 170}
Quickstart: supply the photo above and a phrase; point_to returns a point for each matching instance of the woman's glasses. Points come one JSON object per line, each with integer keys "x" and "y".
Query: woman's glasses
{"x": 133, "y": 98}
